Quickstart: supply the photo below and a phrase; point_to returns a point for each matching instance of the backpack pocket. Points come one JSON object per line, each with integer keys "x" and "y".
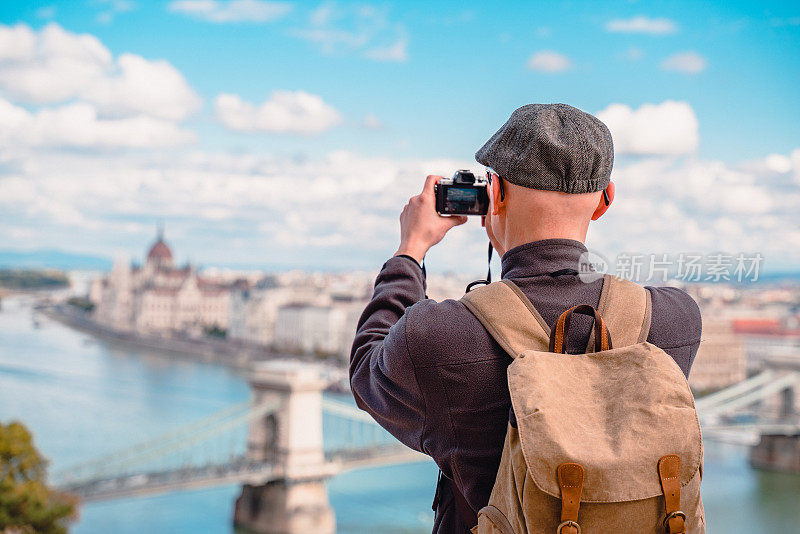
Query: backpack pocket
{"x": 614, "y": 412}
{"x": 492, "y": 521}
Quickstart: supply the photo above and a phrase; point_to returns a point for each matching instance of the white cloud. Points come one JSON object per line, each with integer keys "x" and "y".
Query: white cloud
{"x": 549, "y": 61}
{"x": 666, "y": 128}
{"x": 398, "y": 52}
{"x": 663, "y": 205}
{"x": 77, "y": 126}
{"x": 365, "y": 30}
{"x": 46, "y": 12}
{"x": 371, "y": 122}
{"x": 242, "y": 193}
{"x": 112, "y": 8}
{"x": 322, "y": 15}
{"x": 143, "y": 86}
{"x": 686, "y": 62}
{"x": 795, "y": 157}
{"x": 50, "y": 66}
{"x": 693, "y": 205}
{"x": 778, "y": 163}
{"x": 220, "y": 11}
{"x": 332, "y": 40}
{"x": 634, "y": 53}
{"x": 285, "y": 111}
{"x": 54, "y": 65}
{"x": 642, "y": 24}
{"x": 201, "y": 193}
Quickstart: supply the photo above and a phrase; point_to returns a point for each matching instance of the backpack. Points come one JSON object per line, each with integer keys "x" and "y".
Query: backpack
{"x": 606, "y": 441}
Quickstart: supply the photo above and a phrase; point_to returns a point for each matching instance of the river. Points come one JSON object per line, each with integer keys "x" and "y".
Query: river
{"x": 82, "y": 398}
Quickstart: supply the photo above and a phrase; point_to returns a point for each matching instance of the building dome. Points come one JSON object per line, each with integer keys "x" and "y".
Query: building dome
{"x": 159, "y": 252}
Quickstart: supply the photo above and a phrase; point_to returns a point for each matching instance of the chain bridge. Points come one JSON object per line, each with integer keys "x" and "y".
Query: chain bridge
{"x": 281, "y": 447}
{"x": 283, "y": 444}
{"x": 766, "y": 404}
{"x": 762, "y": 412}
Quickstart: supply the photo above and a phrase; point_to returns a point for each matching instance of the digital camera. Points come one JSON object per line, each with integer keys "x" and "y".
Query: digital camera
{"x": 464, "y": 194}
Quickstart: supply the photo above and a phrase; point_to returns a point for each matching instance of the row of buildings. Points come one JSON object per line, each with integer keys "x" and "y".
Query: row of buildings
{"x": 293, "y": 312}
{"x": 317, "y": 313}
{"x": 743, "y": 327}
{"x": 287, "y": 312}
{"x": 159, "y": 297}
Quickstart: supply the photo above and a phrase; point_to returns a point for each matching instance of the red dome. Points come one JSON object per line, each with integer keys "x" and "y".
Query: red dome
{"x": 159, "y": 252}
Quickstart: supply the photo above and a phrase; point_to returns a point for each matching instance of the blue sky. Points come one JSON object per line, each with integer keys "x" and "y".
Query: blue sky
{"x": 466, "y": 67}
{"x": 409, "y": 85}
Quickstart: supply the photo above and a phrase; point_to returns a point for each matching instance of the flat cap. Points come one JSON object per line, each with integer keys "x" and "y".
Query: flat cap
{"x": 554, "y": 147}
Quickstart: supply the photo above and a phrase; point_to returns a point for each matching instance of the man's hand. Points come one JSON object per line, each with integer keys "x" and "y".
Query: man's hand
{"x": 420, "y": 226}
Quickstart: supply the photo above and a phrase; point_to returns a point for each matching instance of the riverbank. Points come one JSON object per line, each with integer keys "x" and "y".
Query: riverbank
{"x": 237, "y": 355}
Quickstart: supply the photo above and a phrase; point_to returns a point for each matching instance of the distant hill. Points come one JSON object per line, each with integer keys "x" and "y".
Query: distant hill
{"x": 35, "y": 279}
{"x": 52, "y": 259}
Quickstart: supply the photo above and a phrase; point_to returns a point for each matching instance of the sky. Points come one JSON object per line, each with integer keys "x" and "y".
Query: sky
{"x": 290, "y": 134}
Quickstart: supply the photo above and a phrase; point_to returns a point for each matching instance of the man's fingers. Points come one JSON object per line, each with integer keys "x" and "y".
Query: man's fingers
{"x": 457, "y": 220}
{"x": 430, "y": 181}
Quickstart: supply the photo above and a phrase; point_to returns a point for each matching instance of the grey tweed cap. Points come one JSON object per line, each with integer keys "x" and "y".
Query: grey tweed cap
{"x": 554, "y": 147}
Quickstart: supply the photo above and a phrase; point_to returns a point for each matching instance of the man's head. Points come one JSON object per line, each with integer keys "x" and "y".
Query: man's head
{"x": 552, "y": 163}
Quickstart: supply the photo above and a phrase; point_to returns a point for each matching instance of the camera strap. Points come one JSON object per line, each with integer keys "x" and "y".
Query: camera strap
{"x": 488, "y": 272}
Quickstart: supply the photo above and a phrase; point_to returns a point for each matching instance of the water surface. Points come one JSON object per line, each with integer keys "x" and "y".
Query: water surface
{"x": 83, "y": 398}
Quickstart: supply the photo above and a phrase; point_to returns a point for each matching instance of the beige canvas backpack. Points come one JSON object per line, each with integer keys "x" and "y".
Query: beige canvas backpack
{"x": 607, "y": 441}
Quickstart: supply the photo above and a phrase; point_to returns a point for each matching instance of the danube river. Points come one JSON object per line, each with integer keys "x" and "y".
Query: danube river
{"x": 83, "y": 398}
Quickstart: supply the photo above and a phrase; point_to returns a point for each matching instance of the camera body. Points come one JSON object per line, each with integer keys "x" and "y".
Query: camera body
{"x": 463, "y": 194}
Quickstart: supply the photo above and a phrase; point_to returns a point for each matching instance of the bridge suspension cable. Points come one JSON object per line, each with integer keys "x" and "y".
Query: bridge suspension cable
{"x": 120, "y": 462}
{"x": 353, "y": 439}
{"x": 737, "y": 389}
{"x": 167, "y": 436}
{"x": 347, "y": 411}
{"x": 745, "y": 396}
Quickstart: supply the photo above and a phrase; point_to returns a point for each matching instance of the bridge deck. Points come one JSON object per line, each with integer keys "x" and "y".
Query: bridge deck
{"x": 238, "y": 471}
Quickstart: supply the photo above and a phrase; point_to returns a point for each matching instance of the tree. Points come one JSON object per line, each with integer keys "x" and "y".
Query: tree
{"x": 27, "y": 505}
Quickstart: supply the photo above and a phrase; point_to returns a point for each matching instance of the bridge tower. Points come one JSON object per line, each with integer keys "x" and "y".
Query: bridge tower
{"x": 291, "y": 439}
{"x": 779, "y": 448}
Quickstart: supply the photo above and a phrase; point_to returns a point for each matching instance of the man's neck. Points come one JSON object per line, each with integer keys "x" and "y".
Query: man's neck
{"x": 521, "y": 235}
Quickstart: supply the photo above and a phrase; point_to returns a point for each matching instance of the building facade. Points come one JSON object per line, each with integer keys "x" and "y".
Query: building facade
{"x": 721, "y": 359}
{"x": 313, "y": 329}
{"x": 159, "y": 297}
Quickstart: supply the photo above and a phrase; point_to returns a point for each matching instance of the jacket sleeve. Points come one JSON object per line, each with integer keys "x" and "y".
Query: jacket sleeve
{"x": 382, "y": 375}
{"x": 676, "y": 326}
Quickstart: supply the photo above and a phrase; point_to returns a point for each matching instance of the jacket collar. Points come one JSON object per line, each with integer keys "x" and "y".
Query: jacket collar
{"x": 541, "y": 257}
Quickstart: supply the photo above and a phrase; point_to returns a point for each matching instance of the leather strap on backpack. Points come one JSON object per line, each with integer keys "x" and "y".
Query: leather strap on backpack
{"x": 669, "y": 468}
{"x": 570, "y": 481}
{"x": 626, "y": 308}
{"x": 558, "y": 334}
{"x": 517, "y": 326}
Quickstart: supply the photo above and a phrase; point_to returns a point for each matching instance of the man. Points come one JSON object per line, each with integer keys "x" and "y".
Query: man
{"x": 429, "y": 372}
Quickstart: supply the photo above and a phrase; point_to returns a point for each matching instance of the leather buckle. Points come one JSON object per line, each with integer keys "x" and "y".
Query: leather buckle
{"x": 569, "y": 524}
{"x": 672, "y": 515}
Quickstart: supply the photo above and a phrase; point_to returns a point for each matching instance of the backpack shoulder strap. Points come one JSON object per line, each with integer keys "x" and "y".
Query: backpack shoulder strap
{"x": 509, "y": 317}
{"x": 626, "y": 309}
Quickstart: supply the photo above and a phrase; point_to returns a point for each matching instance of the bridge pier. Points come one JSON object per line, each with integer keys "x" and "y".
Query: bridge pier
{"x": 780, "y": 450}
{"x": 777, "y": 452}
{"x": 291, "y": 439}
{"x": 787, "y": 403}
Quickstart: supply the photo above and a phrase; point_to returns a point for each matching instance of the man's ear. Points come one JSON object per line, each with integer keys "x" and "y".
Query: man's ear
{"x": 494, "y": 192}
{"x": 602, "y": 207}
